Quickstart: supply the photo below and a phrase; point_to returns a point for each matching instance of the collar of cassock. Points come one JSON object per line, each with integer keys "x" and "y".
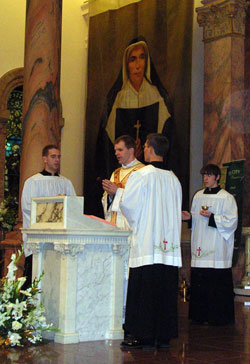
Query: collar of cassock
{"x": 157, "y": 164}
{"x": 46, "y": 173}
{"x": 131, "y": 164}
{"x": 213, "y": 190}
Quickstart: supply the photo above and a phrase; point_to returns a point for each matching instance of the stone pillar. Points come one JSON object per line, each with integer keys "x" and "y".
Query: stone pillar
{"x": 41, "y": 92}
{"x": 223, "y": 23}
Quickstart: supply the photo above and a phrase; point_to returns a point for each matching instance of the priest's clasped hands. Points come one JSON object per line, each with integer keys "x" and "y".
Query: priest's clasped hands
{"x": 109, "y": 187}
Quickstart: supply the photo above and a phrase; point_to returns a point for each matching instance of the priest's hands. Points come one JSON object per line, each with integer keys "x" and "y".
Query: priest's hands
{"x": 109, "y": 187}
{"x": 185, "y": 215}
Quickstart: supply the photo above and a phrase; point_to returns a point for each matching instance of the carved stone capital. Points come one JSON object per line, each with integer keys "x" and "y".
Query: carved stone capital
{"x": 68, "y": 249}
{"x": 120, "y": 249}
{"x": 221, "y": 18}
{"x": 35, "y": 248}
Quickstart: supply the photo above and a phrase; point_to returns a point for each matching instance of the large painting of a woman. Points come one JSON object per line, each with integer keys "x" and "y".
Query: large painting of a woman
{"x": 137, "y": 104}
{"x": 137, "y": 85}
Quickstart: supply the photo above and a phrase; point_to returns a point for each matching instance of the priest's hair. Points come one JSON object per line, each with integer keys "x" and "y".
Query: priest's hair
{"x": 128, "y": 141}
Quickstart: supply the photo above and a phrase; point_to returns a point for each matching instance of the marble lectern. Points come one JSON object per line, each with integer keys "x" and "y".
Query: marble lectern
{"x": 83, "y": 260}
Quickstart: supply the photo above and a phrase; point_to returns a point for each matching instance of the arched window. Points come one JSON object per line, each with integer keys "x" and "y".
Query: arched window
{"x": 12, "y": 157}
{"x": 13, "y": 143}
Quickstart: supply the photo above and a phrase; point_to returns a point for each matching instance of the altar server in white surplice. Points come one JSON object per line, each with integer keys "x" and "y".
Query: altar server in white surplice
{"x": 213, "y": 220}
{"x": 151, "y": 203}
{"x": 44, "y": 184}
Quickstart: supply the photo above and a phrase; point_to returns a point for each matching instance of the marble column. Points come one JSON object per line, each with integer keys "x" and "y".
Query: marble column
{"x": 223, "y": 23}
{"x": 41, "y": 92}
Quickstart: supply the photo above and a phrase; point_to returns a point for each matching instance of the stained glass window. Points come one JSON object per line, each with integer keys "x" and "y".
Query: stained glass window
{"x": 13, "y": 148}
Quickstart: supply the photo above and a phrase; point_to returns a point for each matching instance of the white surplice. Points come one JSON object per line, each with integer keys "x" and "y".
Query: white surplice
{"x": 39, "y": 185}
{"x": 151, "y": 203}
{"x": 213, "y": 247}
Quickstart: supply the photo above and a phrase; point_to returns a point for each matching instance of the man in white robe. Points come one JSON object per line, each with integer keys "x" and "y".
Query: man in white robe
{"x": 151, "y": 203}
{"x": 124, "y": 147}
{"x": 214, "y": 220}
{"x": 44, "y": 184}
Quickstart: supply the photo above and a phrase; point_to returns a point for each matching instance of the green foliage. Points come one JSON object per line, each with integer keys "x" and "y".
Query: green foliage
{"x": 8, "y": 213}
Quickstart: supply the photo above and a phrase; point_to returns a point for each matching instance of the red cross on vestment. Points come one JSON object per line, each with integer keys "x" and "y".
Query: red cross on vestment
{"x": 199, "y": 251}
{"x": 165, "y": 244}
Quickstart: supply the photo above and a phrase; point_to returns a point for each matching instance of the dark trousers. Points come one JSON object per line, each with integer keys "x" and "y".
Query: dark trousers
{"x": 151, "y": 308}
{"x": 27, "y": 272}
{"x": 211, "y": 296}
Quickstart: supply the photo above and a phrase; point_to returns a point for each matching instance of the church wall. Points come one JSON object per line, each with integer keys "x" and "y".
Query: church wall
{"x": 73, "y": 90}
{"x": 12, "y": 30}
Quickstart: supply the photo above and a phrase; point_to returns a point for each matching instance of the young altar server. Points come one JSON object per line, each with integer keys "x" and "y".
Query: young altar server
{"x": 47, "y": 183}
{"x": 214, "y": 220}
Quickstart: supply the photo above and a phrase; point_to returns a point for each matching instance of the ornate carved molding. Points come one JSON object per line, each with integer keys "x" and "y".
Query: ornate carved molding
{"x": 85, "y": 14}
{"x": 8, "y": 82}
{"x": 35, "y": 248}
{"x": 222, "y": 18}
{"x": 68, "y": 249}
{"x": 85, "y": 10}
{"x": 120, "y": 249}
{"x": 76, "y": 237}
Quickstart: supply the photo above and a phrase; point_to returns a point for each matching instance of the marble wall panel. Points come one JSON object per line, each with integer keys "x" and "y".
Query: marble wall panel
{"x": 93, "y": 299}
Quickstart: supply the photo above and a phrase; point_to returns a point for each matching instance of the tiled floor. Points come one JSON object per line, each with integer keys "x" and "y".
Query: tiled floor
{"x": 195, "y": 345}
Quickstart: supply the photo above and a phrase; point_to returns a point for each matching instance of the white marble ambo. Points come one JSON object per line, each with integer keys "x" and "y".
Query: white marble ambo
{"x": 83, "y": 261}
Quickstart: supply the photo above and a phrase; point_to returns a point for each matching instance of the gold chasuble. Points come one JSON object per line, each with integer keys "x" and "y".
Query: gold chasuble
{"x": 121, "y": 176}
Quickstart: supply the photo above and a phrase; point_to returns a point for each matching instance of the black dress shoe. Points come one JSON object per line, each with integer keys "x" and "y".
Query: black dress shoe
{"x": 131, "y": 343}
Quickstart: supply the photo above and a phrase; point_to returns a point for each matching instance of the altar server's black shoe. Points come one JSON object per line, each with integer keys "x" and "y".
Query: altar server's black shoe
{"x": 131, "y": 343}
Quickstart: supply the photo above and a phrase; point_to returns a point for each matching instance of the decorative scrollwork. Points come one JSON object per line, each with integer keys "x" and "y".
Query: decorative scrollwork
{"x": 222, "y": 19}
{"x": 35, "y": 248}
{"x": 120, "y": 249}
{"x": 68, "y": 249}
